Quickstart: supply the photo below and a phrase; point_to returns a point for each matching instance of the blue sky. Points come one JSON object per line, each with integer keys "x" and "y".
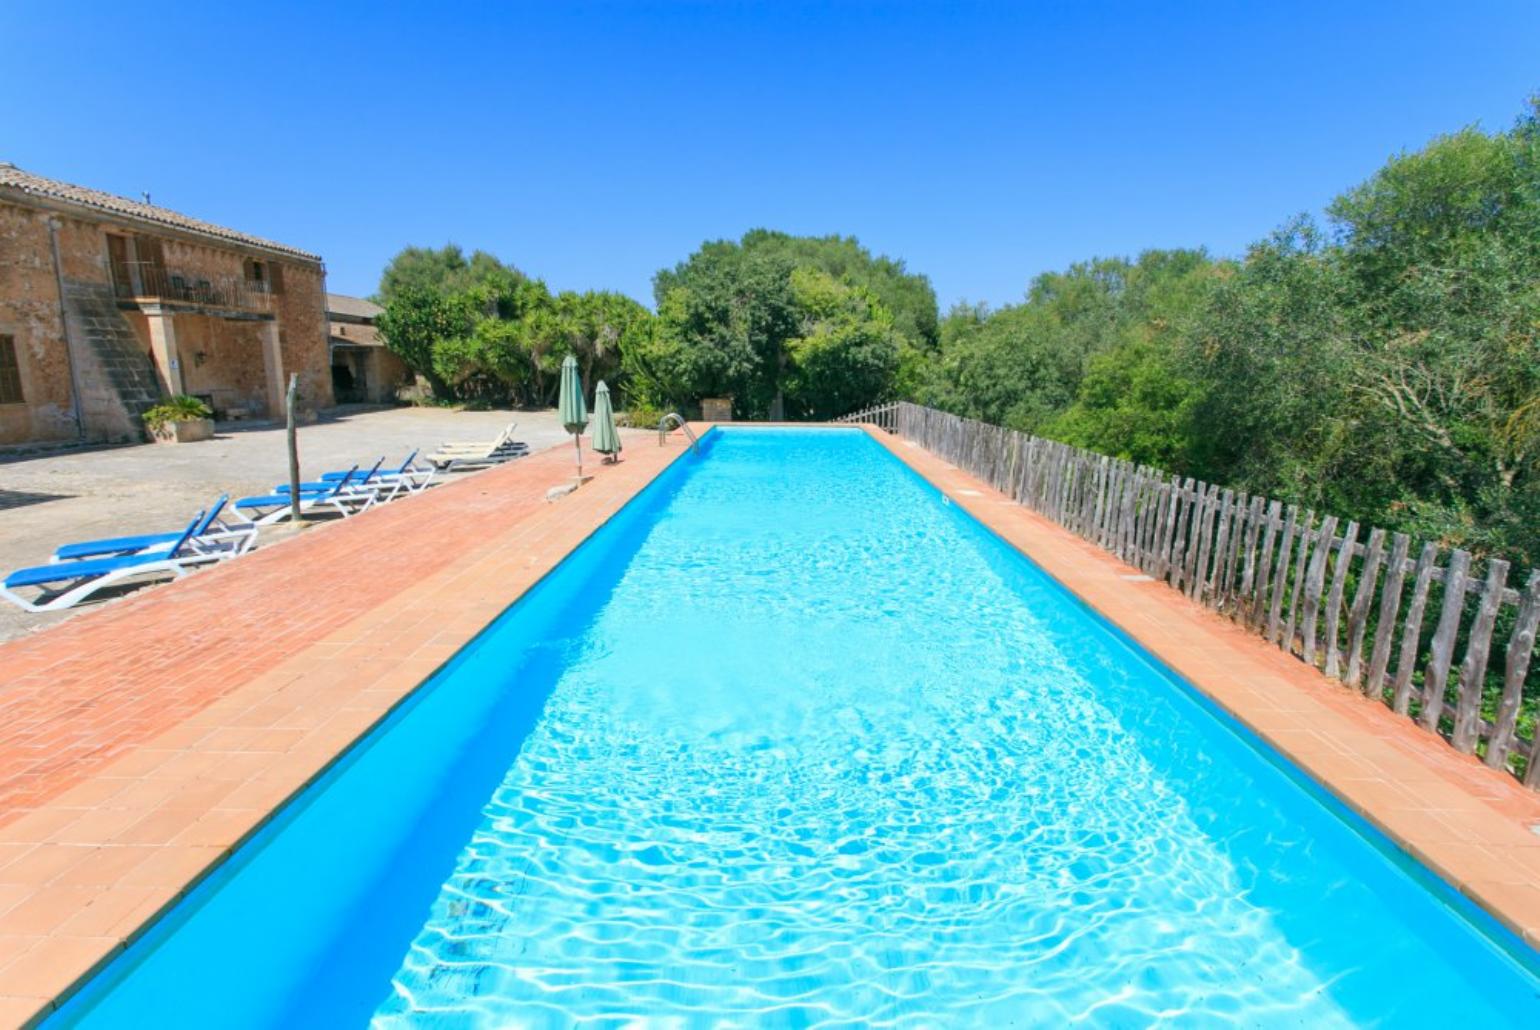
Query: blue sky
{"x": 593, "y": 144}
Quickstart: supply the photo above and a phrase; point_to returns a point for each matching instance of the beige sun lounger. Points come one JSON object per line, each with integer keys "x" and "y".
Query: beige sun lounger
{"x": 482, "y": 445}
{"x": 487, "y": 452}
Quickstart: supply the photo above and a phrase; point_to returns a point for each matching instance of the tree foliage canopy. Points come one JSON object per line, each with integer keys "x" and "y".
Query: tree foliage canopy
{"x": 1384, "y": 365}
{"x": 478, "y": 329}
{"x": 445, "y": 270}
{"x": 811, "y": 327}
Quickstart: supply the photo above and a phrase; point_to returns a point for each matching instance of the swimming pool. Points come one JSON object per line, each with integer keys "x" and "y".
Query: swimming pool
{"x": 792, "y": 740}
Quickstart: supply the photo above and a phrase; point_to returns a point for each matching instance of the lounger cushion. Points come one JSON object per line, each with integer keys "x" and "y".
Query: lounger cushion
{"x": 119, "y": 544}
{"x": 403, "y": 469}
{"x": 40, "y": 574}
{"x": 282, "y": 500}
{"x": 114, "y": 545}
{"x": 262, "y": 502}
{"x": 330, "y": 478}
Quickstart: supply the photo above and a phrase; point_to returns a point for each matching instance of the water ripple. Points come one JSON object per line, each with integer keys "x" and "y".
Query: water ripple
{"x": 821, "y": 760}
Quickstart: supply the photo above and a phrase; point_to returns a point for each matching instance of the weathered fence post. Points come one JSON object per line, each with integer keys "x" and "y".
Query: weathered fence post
{"x": 1335, "y": 597}
{"x": 1358, "y": 615}
{"x": 1520, "y": 646}
{"x": 1441, "y": 652}
{"x": 1473, "y": 670}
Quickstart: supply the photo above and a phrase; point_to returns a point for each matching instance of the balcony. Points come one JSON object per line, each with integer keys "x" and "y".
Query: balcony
{"x": 146, "y": 281}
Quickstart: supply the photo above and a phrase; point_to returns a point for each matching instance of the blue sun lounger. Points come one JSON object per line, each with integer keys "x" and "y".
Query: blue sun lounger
{"x": 210, "y": 534}
{"x": 65, "y": 584}
{"x": 347, "y": 497}
{"x": 374, "y": 479}
{"x": 409, "y": 476}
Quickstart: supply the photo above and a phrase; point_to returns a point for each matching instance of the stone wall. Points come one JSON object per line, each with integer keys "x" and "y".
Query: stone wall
{"x": 299, "y": 304}
{"x": 301, "y": 309}
{"x": 31, "y": 314}
{"x": 221, "y": 357}
{"x": 389, "y": 374}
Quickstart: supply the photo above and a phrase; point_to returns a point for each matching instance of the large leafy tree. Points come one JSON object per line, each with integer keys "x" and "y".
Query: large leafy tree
{"x": 734, "y": 316}
{"x": 1269, "y": 352}
{"x": 497, "y": 351}
{"x": 1023, "y": 366}
{"x": 444, "y": 270}
{"x": 845, "y": 351}
{"x": 478, "y": 329}
{"x": 1391, "y": 370}
{"x": 724, "y": 317}
{"x": 1386, "y": 368}
{"x": 1442, "y": 251}
{"x": 416, "y": 322}
{"x": 598, "y": 327}
{"x": 910, "y": 298}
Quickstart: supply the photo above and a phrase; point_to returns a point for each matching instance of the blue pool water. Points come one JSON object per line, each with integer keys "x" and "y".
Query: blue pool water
{"x": 791, "y": 741}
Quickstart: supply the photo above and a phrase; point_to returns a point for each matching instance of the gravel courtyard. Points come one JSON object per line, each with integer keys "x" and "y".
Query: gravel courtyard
{"x": 59, "y": 497}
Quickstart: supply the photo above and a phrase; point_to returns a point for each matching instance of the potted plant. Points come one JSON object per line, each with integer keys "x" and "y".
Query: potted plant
{"x": 180, "y": 419}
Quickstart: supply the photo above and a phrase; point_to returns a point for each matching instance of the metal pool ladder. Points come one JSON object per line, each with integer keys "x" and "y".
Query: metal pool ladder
{"x": 682, "y": 424}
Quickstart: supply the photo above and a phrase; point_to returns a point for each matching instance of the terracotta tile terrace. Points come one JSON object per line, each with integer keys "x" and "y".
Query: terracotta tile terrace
{"x": 142, "y": 743}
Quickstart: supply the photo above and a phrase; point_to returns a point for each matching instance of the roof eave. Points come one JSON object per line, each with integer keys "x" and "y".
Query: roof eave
{"x": 48, "y": 202}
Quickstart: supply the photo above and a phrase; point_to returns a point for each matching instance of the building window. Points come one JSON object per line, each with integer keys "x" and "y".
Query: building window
{"x": 10, "y": 372}
{"x": 268, "y": 273}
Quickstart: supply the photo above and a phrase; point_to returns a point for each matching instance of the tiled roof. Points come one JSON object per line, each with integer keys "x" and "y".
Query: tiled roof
{"x": 15, "y": 178}
{"x": 357, "y": 307}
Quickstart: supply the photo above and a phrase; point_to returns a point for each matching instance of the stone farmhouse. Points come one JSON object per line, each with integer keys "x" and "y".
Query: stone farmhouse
{"x": 108, "y": 305}
{"x": 363, "y": 370}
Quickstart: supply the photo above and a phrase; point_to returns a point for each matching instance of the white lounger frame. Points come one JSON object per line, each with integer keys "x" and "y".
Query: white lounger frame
{"x": 347, "y": 502}
{"x": 72, "y": 594}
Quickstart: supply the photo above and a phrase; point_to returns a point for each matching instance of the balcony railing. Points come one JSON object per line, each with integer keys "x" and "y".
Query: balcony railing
{"x": 143, "y": 279}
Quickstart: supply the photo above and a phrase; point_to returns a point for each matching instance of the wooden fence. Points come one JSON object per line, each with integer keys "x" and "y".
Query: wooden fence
{"x": 883, "y": 416}
{"x": 1373, "y": 609}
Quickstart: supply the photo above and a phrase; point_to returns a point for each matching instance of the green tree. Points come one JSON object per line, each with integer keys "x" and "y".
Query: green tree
{"x": 1134, "y": 403}
{"x": 597, "y": 327}
{"x": 1387, "y": 369}
{"x": 724, "y": 317}
{"x": 1270, "y": 351}
{"x": 445, "y": 270}
{"x": 1442, "y": 250}
{"x": 728, "y": 316}
{"x": 479, "y": 329}
{"x": 910, "y": 298}
{"x": 414, "y": 324}
{"x": 846, "y": 351}
{"x": 1022, "y": 366}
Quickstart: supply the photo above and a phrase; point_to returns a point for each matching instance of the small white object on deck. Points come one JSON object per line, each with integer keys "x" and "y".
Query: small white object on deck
{"x": 1137, "y": 577}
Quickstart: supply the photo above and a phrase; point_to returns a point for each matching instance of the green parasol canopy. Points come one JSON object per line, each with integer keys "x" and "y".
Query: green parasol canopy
{"x": 606, "y": 436}
{"x": 570, "y": 406}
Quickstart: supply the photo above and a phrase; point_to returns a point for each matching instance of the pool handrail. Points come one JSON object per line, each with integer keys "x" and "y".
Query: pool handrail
{"x": 679, "y": 420}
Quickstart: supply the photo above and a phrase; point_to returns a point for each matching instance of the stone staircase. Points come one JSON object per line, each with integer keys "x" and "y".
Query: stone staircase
{"x": 117, "y": 379}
